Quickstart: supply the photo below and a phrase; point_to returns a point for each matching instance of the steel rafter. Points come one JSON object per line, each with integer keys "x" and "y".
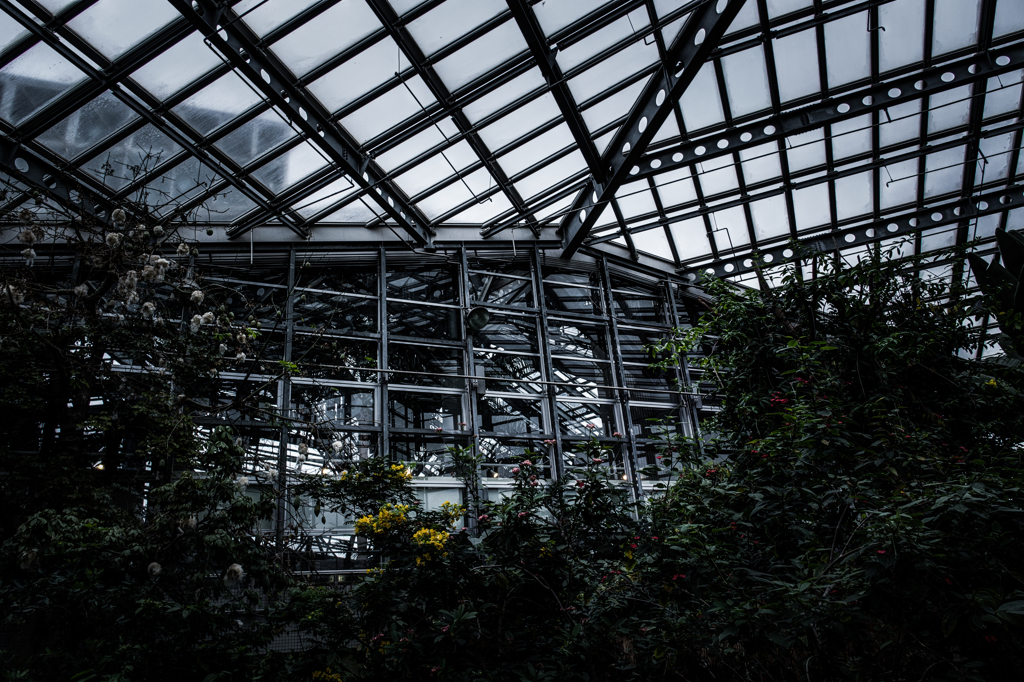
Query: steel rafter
{"x": 546, "y": 62}
{"x": 699, "y": 37}
{"x": 236, "y": 42}
{"x": 849, "y": 105}
{"x": 905, "y": 225}
{"x": 134, "y": 102}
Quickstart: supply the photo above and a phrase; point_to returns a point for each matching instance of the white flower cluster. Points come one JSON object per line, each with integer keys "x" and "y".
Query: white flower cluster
{"x": 118, "y": 216}
{"x": 183, "y": 249}
{"x": 28, "y": 237}
{"x": 113, "y": 239}
{"x": 242, "y": 483}
{"x": 233, "y": 575}
{"x": 197, "y": 296}
{"x": 337, "y": 446}
{"x": 12, "y": 294}
{"x": 156, "y": 269}
{"x": 148, "y": 310}
{"x": 30, "y": 256}
{"x": 82, "y": 291}
{"x": 127, "y": 286}
{"x": 154, "y": 569}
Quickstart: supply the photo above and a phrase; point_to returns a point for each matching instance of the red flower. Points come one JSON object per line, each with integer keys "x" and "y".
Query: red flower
{"x": 881, "y": 551}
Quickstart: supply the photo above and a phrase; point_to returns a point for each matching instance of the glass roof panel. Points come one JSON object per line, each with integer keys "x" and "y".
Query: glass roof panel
{"x": 177, "y": 66}
{"x": 811, "y": 206}
{"x": 670, "y": 31}
{"x": 778, "y": 8}
{"x": 403, "y": 6}
{"x": 806, "y": 150}
{"x": 669, "y": 130}
{"x": 132, "y": 156}
{"x": 746, "y": 81}
{"x": 955, "y": 25}
{"x": 847, "y": 49}
{"x": 675, "y": 188}
{"x": 54, "y": 6}
{"x": 356, "y": 212}
{"x": 319, "y": 39}
{"x": 851, "y": 137}
{"x": 995, "y": 161}
{"x": 179, "y": 184}
{"x": 115, "y": 26}
{"x": 451, "y": 20}
{"x": 1003, "y": 94}
{"x": 554, "y": 15}
{"x": 552, "y": 174}
{"x": 436, "y": 168}
{"x": 481, "y": 212}
{"x": 612, "y": 108}
{"x": 480, "y": 56}
{"x": 771, "y": 220}
{"x": 899, "y": 184}
{"x": 796, "y": 64}
{"x": 691, "y": 238}
{"x": 219, "y": 102}
{"x": 540, "y": 147}
{"x": 653, "y": 242}
{"x": 903, "y": 123}
{"x": 747, "y": 17}
{"x": 261, "y": 135}
{"x": 10, "y": 31}
{"x": 357, "y": 76}
{"x": 635, "y": 199}
{"x": 854, "y": 195}
{"x": 617, "y": 67}
{"x": 514, "y": 125}
{"x": 1009, "y": 18}
{"x": 225, "y": 206}
{"x": 388, "y": 110}
{"x": 717, "y": 175}
{"x": 87, "y": 126}
{"x": 33, "y": 80}
{"x": 428, "y": 139}
{"x": 330, "y": 194}
{"x": 603, "y": 38}
{"x": 902, "y": 42}
{"x": 510, "y": 92}
{"x": 761, "y": 163}
{"x": 263, "y": 16}
{"x": 730, "y": 228}
{"x": 949, "y": 109}
{"x": 944, "y": 172}
{"x": 701, "y": 102}
{"x": 294, "y": 165}
{"x": 445, "y": 199}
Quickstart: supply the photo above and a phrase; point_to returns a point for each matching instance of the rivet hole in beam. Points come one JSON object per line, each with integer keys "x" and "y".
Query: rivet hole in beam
{"x": 905, "y": 225}
{"x": 284, "y": 94}
{"x": 843, "y": 107}
{"x": 695, "y": 43}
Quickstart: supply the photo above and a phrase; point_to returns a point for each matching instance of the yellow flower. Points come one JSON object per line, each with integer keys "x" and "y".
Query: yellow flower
{"x": 991, "y": 382}
{"x": 430, "y": 539}
{"x": 453, "y": 512}
{"x": 390, "y": 517}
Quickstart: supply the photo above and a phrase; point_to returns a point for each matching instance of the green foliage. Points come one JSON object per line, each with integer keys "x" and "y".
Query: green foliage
{"x": 1001, "y": 284}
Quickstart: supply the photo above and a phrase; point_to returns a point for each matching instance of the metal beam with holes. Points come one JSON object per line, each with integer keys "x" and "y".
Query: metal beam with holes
{"x": 36, "y": 172}
{"x": 545, "y": 58}
{"x": 904, "y": 225}
{"x": 819, "y": 178}
{"x": 695, "y": 43}
{"x": 228, "y": 35}
{"x": 850, "y": 105}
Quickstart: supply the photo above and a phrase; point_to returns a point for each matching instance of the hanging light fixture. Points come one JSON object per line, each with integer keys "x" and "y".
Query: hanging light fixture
{"x": 478, "y": 318}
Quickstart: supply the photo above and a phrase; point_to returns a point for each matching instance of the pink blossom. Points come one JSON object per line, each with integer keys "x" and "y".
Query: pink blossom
{"x": 522, "y": 514}
{"x": 590, "y": 426}
{"x": 527, "y": 463}
{"x": 617, "y": 435}
{"x": 515, "y": 470}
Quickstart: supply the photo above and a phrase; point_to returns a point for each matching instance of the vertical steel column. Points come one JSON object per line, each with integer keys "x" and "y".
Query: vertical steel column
{"x": 284, "y": 399}
{"x": 547, "y": 368}
{"x": 629, "y": 459}
{"x": 688, "y": 406}
{"x": 469, "y": 369}
{"x": 382, "y": 314}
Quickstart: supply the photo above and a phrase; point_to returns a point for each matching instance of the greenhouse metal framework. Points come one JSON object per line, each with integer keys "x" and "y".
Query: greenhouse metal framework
{"x": 376, "y": 170}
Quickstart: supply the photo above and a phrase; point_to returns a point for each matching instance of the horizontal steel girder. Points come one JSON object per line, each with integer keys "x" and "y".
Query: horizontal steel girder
{"x": 850, "y": 105}
{"x": 903, "y": 225}
{"x": 692, "y": 48}
{"x": 228, "y": 35}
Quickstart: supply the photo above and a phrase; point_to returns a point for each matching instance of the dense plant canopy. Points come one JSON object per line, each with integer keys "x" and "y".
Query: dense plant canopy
{"x": 853, "y": 513}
